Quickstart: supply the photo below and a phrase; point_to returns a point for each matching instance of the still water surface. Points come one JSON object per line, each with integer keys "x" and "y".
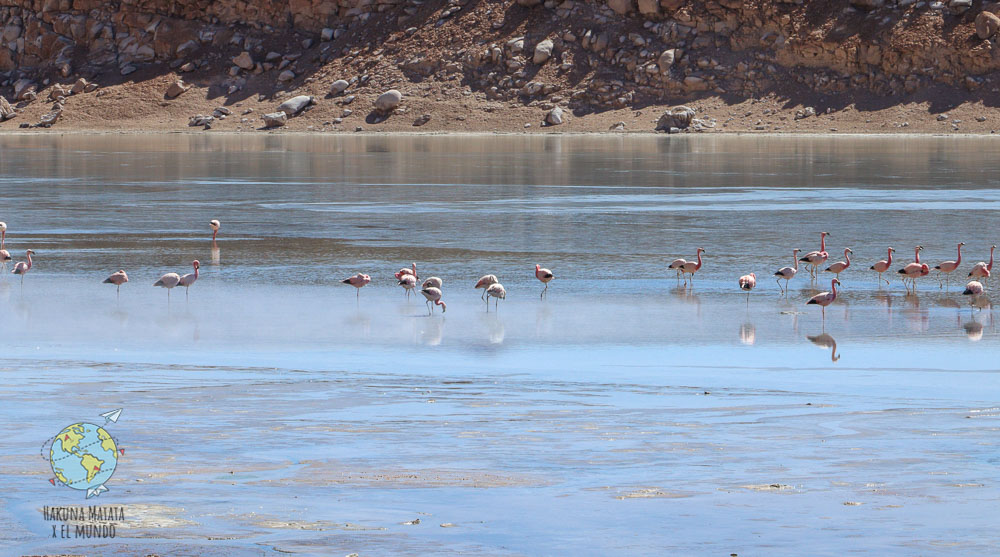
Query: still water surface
{"x": 273, "y": 411}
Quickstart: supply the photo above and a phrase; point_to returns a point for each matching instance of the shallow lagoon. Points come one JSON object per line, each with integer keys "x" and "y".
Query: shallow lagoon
{"x": 275, "y": 412}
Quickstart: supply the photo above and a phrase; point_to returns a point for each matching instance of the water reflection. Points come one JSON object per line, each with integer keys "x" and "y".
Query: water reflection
{"x": 825, "y": 340}
{"x": 432, "y": 330}
{"x": 216, "y": 254}
{"x": 748, "y": 334}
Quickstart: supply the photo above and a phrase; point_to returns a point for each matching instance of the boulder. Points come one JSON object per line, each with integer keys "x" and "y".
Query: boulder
{"x": 58, "y": 91}
{"x": 868, "y": 4}
{"x": 176, "y": 89}
{"x": 326, "y": 34}
{"x": 543, "y": 51}
{"x": 339, "y": 86}
{"x": 677, "y": 117}
{"x": 295, "y": 105}
{"x": 805, "y": 113}
{"x": 23, "y": 87}
{"x": 51, "y": 118}
{"x": 388, "y": 101}
{"x": 286, "y": 75}
{"x": 554, "y": 117}
{"x": 959, "y": 7}
{"x": 987, "y": 25}
{"x": 275, "y": 119}
{"x": 244, "y": 60}
{"x": 621, "y": 7}
{"x": 422, "y": 120}
{"x": 666, "y": 60}
{"x": 6, "y": 111}
{"x": 649, "y": 7}
{"x": 79, "y": 87}
{"x": 200, "y": 120}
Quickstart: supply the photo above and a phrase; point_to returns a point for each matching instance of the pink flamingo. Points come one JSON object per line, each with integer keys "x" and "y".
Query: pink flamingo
{"x": 484, "y": 282}
{"x": 788, "y": 273}
{"x": 358, "y": 281}
{"x": 883, "y": 266}
{"x": 188, "y": 279}
{"x": 676, "y": 265}
{"x": 168, "y": 281}
{"x": 747, "y": 283}
{"x": 545, "y": 276}
{"x": 4, "y": 254}
{"x": 982, "y": 269}
{"x": 117, "y": 278}
{"x": 408, "y": 282}
{"x": 816, "y": 258}
{"x": 824, "y": 299}
{"x": 497, "y": 291}
{"x": 691, "y": 267}
{"x": 432, "y": 282}
{"x": 215, "y": 225}
{"x": 22, "y": 268}
{"x": 948, "y": 266}
{"x": 841, "y": 266}
{"x": 433, "y": 295}
{"x": 973, "y": 289}
{"x": 914, "y": 270}
{"x": 404, "y": 271}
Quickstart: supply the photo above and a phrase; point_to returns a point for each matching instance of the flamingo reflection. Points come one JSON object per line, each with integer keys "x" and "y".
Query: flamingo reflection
{"x": 824, "y": 340}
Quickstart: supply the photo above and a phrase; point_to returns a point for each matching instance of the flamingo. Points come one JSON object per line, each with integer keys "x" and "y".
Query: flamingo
{"x": 432, "y": 282}
{"x": 788, "y": 273}
{"x": 747, "y": 283}
{"x": 816, "y": 258}
{"x": 948, "y": 266}
{"x": 484, "y": 282}
{"x": 824, "y": 299}
{"x": 973, "y": 289}
{"x": 676, "y": 265}
{"x": 118, "y": 279}
{"x": 840, "y": 266}
{"x": 358, "y": 281}
{"x": 914, "y": 270}
{"x": 168, "y": 281}
{"x": 690, "y": 268}
{"x": 188, "y": 279}
{"x": 497, "y": 291}
{"x": 22, "y": 268}
{"x": 545, "y": 276}
{"x": 883, "y": 266}
{"x": 4, "y": 254}
{"x": 982, "y": 269}
{"x": 408, "y": 282}
{"x": 433, "y": 295}
{"x": 215, "y": 225}
{"x": 404, "y": 271}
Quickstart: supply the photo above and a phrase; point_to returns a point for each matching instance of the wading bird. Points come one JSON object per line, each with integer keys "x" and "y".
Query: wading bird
{"x": 914, "y": 270}
{"x": 973, "y": 289}
{"x": 495, "y": 290}
{"x": 404, "y": 271}
{"x": 22, "y": 268}
{"x": 747, "y": 283}
{"x": 947, "y": 267}
{"x": 117, "y": 278}
{"x": 188, "y": 279}
{"x": 432, "y": 282}
{"x": 433, "y": 295}
{"x": 824, "y": 299}
{"x": 982, "y": 269}
{"x": 816, "y": 258}
{"x": 215, "y": 225}
{"x": 788, "y": 273}
{"x": 168, "y": 281}
{"x": 408, "y": 282}
{"x": 4, "y": 254}
{"x": 691, "y": 267}
{"x": 358, "y": 281}
{"x": 841, "y": 266}
{"x": 676, "y": 265}
{"x": 484, "y": 282}
{"x": 883, "y": 266}
{"x": 545, "y": 276}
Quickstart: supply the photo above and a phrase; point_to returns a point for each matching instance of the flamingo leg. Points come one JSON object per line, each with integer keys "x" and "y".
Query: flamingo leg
{"x": 496, "y": 305}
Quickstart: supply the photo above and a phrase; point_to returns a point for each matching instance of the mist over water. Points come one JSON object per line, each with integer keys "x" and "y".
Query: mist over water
{"x": 622, "y": 402}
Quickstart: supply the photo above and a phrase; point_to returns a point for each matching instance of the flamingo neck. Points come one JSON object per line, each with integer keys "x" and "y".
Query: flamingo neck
{"x": 196, "y": 272}
{"x": 3, "y": 239}
{"x": 29, "y": 260}
{"x": 822, "y": 242}
{"x": 847, "y": 258}
{"x": 958, "y": 260}
{"x": 916, "y": 256}
{"x": 795, "y": 258}
{"x": 698, "y": 266}
{"x": 889, "y": 258}
{"x": 990, "y": 266}
{"x": 833, "y": 290}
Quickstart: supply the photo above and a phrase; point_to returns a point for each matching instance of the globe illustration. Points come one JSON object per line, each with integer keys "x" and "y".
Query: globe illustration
{"x": 83, "y": 456}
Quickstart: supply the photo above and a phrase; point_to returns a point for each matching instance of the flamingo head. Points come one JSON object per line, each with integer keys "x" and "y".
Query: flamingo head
{"x": 214, "y": 224}
{"x": 3, "y": 227}
{"x": 824, "y": 234}
{"x": 444, "y": 306}
{"x": 537, "y": 267}
{"x": 960, "y": 244}
{"x": 753, "y": 275}
{"x": 848, "y": 250}
{"x": 796, "y": 250}
{"x": 892, "y": 250}
{"x": 196, "y": 264}
{"x": 29, "y": 252}
{"x": 702, "y": 250}
{"x": 837, "y": 281}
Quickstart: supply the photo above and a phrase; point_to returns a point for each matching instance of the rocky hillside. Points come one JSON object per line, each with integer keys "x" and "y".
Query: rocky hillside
{"x": 754, "y": 65}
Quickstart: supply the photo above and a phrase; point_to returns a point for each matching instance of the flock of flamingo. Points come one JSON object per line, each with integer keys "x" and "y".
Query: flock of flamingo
{"x": 431, "y": 288}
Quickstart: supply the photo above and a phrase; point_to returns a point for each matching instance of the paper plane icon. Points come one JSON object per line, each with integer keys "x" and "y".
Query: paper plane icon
{"x": 112, "y": 416}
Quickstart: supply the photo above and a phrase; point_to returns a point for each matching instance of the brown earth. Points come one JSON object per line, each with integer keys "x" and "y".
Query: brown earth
{"x": 744, "y": 66}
